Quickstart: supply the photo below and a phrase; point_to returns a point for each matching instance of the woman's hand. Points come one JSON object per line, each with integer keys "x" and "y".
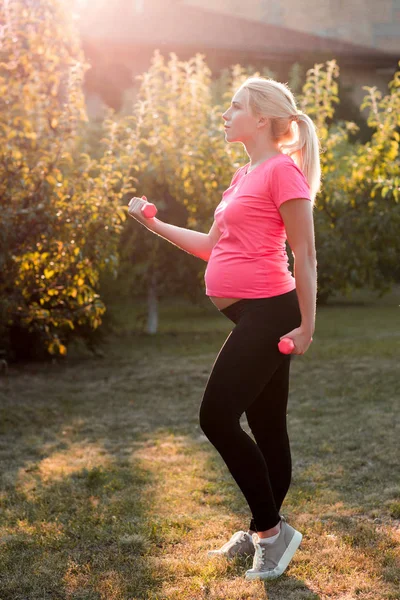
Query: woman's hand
{"x": 301, "y": 338}
{"x": 135, "y": 211}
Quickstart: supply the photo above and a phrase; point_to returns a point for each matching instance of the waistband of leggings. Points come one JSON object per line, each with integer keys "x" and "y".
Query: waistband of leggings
{"x": 255, "y": 302}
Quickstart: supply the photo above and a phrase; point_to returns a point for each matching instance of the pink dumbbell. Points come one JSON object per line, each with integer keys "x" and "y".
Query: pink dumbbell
{"x": 286, "y": 345}
{"x": 149, "y": 210}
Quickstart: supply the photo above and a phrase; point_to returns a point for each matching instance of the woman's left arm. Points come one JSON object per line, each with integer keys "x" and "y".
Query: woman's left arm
{"x": 297, "y": 215}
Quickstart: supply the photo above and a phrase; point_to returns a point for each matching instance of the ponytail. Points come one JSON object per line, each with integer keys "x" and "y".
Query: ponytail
{"x": 305, "y": 152}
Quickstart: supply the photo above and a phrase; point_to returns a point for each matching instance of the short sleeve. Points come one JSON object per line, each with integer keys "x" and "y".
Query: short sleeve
{"x": 288, "y": 182}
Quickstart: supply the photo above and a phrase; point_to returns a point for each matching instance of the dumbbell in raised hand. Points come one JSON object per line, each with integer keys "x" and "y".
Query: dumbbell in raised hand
{"x": 149, "y": 210}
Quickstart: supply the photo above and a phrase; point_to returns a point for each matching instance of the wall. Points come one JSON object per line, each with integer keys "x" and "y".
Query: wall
{"x": 374, "y": 23}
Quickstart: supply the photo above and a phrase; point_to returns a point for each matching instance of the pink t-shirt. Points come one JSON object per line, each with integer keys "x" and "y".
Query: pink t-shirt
{"x": 250, "y": 259}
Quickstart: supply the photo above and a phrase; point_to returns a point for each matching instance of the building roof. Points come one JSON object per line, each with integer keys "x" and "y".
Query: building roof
{"x": 180, "y": 25}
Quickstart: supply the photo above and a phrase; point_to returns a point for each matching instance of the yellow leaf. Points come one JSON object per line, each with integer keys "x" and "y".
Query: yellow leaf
{"x": 121, "y": 212}
{"x": 62, "y": 349}
{"x": 81, "y": 281}
{"x": 17, "y": 154}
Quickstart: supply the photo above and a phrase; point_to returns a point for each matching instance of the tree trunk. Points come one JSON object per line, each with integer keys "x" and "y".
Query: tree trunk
{"x": 152, "y": 314}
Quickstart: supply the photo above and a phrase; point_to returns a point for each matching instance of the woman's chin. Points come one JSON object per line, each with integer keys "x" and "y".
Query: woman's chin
{"x": 229, "y": 137}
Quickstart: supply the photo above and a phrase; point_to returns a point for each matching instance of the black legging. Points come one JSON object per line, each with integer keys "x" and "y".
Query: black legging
{"x": 250, "y": 375}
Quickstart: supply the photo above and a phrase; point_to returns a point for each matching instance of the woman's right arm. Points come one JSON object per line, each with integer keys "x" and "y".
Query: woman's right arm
{"x": 194, "y": 242}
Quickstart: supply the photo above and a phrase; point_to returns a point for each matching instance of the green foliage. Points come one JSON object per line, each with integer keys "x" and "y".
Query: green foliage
{"x": 60, "y": 216}
{"x": 357, "y": 216}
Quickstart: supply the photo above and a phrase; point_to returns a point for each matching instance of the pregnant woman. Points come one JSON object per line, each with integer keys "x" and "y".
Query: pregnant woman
{"x": 269, "y": 200}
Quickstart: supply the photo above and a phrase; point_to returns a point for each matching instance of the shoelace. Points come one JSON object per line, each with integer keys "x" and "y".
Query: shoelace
{"x": 259, "y": 557}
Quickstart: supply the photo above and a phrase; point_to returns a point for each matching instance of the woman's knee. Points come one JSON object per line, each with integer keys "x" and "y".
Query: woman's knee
{"x": 207, "y": 418}
{"x": 214, "y": 420}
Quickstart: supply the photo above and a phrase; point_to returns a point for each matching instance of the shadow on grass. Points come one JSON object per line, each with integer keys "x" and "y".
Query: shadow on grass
{"x": 69, "y": 531}
{"x": 79, "y": 536}
{"x": 286, "y": 586}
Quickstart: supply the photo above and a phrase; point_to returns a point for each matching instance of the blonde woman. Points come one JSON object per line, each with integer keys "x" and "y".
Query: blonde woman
{"x": 269, "y": 200}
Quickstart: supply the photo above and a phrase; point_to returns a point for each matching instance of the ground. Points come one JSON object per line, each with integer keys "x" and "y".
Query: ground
{"x": 110, "y": 490}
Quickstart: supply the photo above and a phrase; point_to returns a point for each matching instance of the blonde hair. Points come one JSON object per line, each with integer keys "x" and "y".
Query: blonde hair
{"x": 269, "y": 98}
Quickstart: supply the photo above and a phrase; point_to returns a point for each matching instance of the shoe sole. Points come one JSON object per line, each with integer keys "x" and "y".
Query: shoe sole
{"x": 283, "y": 563}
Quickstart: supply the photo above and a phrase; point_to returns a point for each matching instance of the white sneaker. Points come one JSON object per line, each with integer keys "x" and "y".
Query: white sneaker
{"x": 271, "y": 560}
{"x": 240, "y": 543}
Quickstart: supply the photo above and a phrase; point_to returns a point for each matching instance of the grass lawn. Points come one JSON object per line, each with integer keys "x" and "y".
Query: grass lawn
{"x": 110, "y": 490}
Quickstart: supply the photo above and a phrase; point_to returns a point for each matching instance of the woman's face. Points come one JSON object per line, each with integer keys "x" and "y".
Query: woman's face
{"x": 240, "y": 123}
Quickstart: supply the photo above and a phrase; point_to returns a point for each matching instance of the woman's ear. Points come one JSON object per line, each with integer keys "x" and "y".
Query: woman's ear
{"x": 263, "y": 121}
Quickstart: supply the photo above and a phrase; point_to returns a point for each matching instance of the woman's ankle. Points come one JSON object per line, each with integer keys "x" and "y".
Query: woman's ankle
{"x": 270, "y": 532}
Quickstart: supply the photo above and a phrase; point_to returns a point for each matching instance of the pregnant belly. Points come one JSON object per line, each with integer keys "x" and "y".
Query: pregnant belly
{"x": 222, "y": 303}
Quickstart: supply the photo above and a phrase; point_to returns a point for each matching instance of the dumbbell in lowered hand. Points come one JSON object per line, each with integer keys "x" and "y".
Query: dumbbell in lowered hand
{"x": 286, "y": 345}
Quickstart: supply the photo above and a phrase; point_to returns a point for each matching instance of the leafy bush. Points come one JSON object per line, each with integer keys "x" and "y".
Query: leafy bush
{"x": 60, "y": 213}
{"x": 357, "y": 217}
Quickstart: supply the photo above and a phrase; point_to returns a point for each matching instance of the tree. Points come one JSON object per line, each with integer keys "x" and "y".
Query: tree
{"x": 60, "y": 212}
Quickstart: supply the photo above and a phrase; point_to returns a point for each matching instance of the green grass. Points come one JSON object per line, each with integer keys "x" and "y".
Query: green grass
{"x": 110, "y": 490}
